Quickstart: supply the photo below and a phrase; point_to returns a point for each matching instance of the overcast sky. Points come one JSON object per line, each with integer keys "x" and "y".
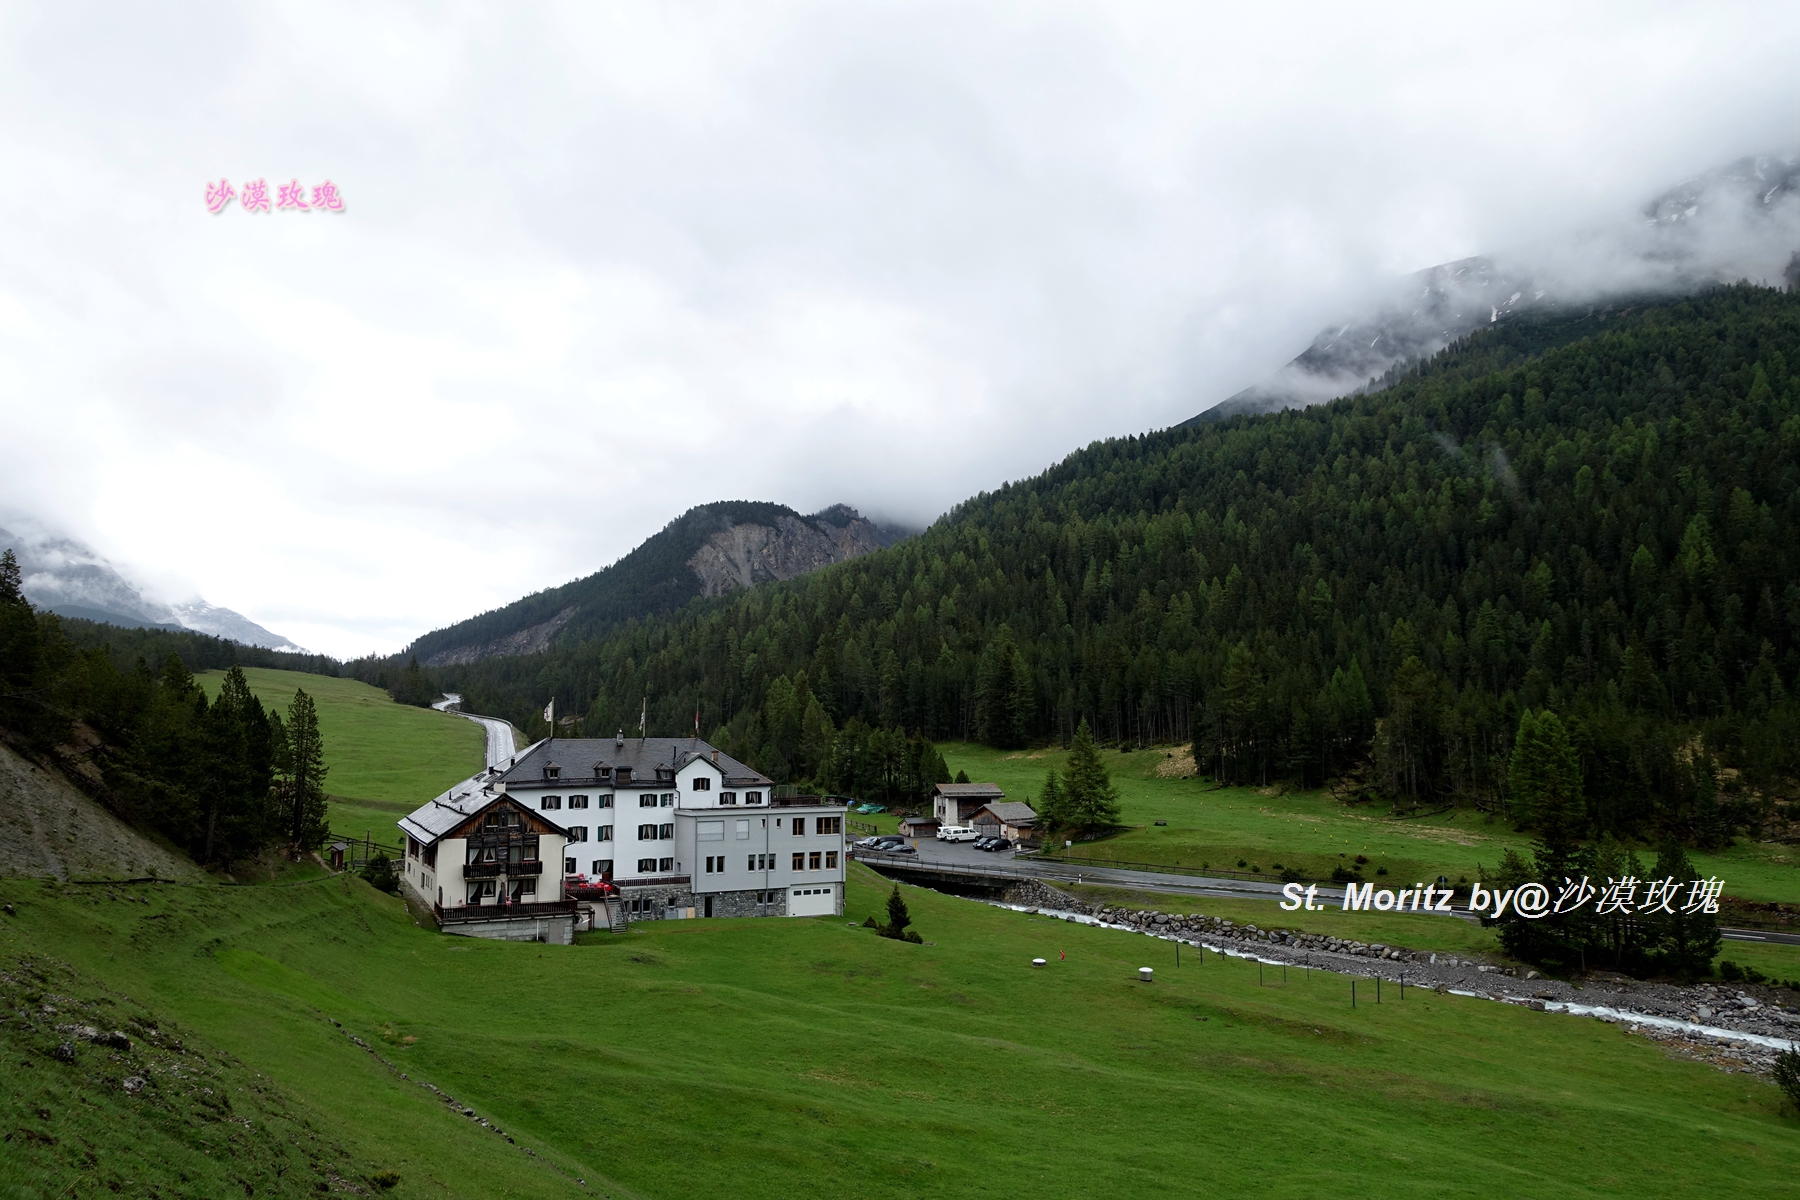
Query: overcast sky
{"x": 600, "y": 262}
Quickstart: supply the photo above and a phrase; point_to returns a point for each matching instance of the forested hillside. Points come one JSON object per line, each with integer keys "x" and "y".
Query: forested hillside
{"x": 221, "y": 779}
{"x": 1595, "y": 514}
{"x": 691, "y": 556}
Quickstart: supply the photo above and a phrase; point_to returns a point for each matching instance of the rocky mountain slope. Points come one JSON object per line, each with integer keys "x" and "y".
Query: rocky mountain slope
{"x": 48, "y": 827}
{"x": 1741, "y": 221}
{"x": 707, "y": 551}
{"x": 68, "y": 578}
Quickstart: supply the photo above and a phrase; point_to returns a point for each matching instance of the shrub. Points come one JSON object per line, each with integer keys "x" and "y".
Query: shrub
{"x": 1361, "y": 859}
{"x": 898, "y": 920}
{"x": 385, "y": 1179}
{"x": 379, "y": 873}
{"x": 1787, "y": 1074}
{"x": 1340, "y": 875}
{"x": 1381, "y": 870}
{"x": 1292, "y": 875}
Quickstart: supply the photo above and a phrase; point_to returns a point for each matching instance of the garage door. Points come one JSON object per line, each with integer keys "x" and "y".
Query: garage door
{"x": 812, "y": 901}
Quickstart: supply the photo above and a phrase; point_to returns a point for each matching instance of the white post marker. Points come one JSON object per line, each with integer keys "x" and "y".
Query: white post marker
{"x": 1146, "y": 974}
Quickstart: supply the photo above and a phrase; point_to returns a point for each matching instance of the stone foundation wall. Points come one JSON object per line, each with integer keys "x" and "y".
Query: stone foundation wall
{"x": 743, "y": 904}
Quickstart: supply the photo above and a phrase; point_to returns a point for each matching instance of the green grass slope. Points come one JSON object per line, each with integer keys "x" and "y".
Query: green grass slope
{"x": 385, "y": 759}
{"x": 810, "y": 1057}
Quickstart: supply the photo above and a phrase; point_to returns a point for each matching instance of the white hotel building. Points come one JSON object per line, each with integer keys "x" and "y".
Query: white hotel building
{"x": 678, "y": 827}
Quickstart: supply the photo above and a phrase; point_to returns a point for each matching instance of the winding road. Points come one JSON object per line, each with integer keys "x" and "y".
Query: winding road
{"x": 500, "y": 745}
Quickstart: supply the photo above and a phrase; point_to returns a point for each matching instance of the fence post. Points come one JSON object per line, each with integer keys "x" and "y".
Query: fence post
{"x": 1353, "y": 993}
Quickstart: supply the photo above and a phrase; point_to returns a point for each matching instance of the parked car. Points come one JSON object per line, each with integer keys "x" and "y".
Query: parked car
{"x": 993, "y": 844}
{"x": 957, "y": 833}
{"x": 869, "y": 843}
{"x": 889, "y": 842}
{"x": 899, "y": 847}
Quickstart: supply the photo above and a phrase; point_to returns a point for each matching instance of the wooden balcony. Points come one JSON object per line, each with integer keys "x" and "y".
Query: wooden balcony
{"x": 493, "y": 870}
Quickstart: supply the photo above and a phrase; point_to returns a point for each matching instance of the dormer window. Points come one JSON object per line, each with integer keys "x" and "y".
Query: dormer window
{"x": 602, "y": 771}
{"x": 552, "y": 771}
{"x": 621, "y": 776}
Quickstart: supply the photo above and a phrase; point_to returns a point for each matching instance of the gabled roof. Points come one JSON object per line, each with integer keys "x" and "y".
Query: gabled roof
{"x": 429, "y": 822}
{"x": 579, "y": 756}
{"x": 1010, "y": 812}
{"x": 970, "y": 791}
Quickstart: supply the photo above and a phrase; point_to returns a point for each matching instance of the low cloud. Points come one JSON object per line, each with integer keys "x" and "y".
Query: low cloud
{"x": 602, "y": 264}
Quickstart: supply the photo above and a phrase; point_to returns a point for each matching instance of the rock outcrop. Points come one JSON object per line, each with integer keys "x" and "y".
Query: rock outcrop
{"x": 748, "y": 554}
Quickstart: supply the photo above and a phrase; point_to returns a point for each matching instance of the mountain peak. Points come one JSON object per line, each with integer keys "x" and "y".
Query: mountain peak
{"x": 1740, "y": 221}
{"x": 65, "y": 577}
{"x": 708, "y": 550}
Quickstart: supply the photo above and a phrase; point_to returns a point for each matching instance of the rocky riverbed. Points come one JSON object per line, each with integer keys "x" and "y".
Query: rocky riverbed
{"x": 1696, "y": 1020}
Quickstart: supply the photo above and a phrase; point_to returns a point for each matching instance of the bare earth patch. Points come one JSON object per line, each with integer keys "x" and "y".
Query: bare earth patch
{"x": 1178, "y": 765}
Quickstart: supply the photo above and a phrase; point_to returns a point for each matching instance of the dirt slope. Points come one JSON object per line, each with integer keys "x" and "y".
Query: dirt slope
{"x": 49, "y": 828}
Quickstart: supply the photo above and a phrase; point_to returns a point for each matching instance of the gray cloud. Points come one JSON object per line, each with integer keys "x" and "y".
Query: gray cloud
{"x": 605, "y": 262}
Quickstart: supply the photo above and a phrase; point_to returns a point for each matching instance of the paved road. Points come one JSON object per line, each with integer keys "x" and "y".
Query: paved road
{"x": 1760, "y": 935}
{"x": 500, "y": 745}
{"x": 963, "y": 857}
{"x": 960, "y": 856}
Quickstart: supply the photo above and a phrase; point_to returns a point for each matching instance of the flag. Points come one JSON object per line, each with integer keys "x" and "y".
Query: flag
{"x": 696, "y": 723}
{"x": 550, "y": 710}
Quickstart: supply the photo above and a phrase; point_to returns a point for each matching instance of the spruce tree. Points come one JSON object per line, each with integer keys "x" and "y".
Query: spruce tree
{"x": 1053, "y": 805}
{"x": 306, "y": 774}
{"x": 1686, "y": 942}
{"x": 18, "y": 639}
{"x": 898, "y": 918}
{"x": 1545, "y": 780}
{"x": 1091, "y": 799}
{"x": 11, "y": 591}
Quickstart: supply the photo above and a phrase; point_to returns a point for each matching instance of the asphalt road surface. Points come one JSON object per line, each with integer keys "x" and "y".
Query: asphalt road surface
{"x": 963, "y": 856}
{"x": 500, "y": 745}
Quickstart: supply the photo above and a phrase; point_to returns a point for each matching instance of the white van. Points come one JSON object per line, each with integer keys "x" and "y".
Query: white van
{"x": 956, "y": 833}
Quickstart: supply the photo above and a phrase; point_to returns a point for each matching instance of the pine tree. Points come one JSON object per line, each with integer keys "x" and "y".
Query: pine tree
{"x": 1091, "y": 799}
{"x": 177, "y": 680}
{"x": 306, "y": 774}
{"x": 18, "y": 639}
{"x": 11, "y": 591}
{"x": 1686, "y": 942}
{"x": 1545, "y": 780}
{"x": 898, "y": 917}
{"x": 1052, "y": 805}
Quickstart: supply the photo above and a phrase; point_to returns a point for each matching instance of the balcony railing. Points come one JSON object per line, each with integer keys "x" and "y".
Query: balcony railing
{"x": 493, "y": 870}
{"x": 463, "y": 914}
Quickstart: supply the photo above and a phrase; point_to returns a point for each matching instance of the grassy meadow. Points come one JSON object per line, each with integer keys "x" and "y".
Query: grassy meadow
{"x": 807, "y": 1057}
{"x": 1219, "y": 827}
{"x": 384, "y": 759}
{"x": 1268, "y": 829}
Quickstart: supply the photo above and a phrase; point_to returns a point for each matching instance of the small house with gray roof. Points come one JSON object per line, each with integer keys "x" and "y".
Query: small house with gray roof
{"x": 956, "y": 803}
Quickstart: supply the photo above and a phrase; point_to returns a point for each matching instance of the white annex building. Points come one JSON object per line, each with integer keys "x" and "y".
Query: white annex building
{"x": 680, "y": 829}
